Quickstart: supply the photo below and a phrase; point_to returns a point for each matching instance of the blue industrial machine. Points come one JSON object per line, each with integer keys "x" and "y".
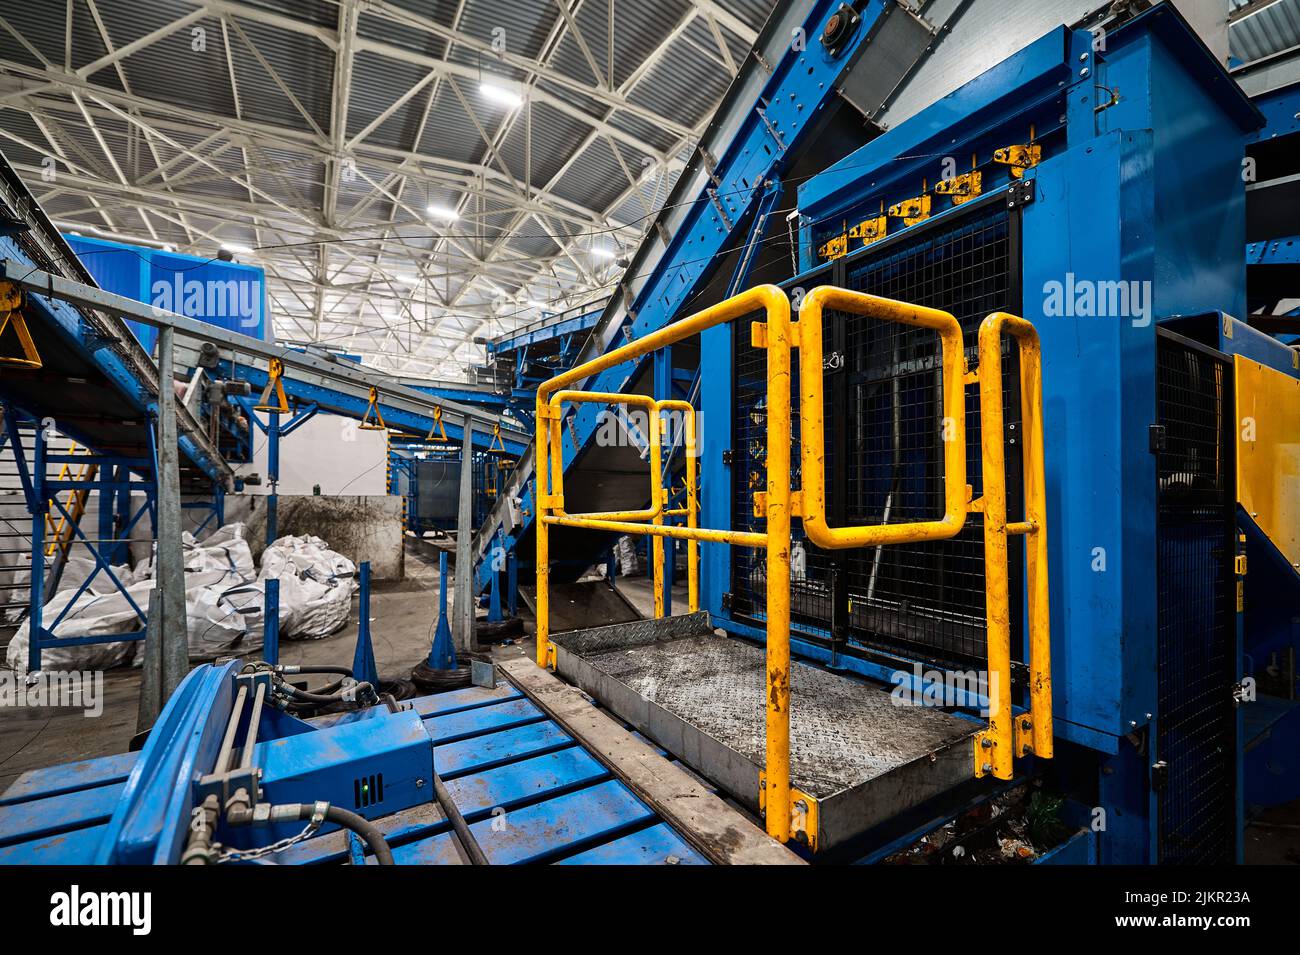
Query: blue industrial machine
{"x": 1056, "y": 185}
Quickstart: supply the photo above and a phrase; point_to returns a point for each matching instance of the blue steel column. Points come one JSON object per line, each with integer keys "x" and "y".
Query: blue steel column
{"x": 38, "y": 505}
{"x": 271, "y": 621}
{"x": 363, "y": 660}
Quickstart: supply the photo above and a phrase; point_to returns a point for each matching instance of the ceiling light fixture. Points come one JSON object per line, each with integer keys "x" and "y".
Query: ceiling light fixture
{"x": 499, "y": 94}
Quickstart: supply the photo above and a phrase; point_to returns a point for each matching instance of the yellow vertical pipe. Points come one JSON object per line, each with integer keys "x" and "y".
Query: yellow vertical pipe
{"x": 777, "y": 775}
{"x": 655, "y": 426}
{"x": 1000, "y": 755}
{"x": 1040, "y": 637}
{"x": 543, "y": 556}
{"x": 692, "y": 514}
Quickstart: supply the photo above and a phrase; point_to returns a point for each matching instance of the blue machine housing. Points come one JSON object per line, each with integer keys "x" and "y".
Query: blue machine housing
{"x": 1140, "y": 182}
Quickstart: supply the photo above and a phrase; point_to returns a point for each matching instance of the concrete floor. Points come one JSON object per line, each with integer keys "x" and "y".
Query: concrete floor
{"x": 403, "y": 615}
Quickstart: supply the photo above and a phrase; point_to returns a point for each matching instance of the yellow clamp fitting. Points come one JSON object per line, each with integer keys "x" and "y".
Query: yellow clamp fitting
{"x": 373, "y": 407}
{"x": 274, "y": 386}
{"x": 835, "y": 247}
{"x": 804, "y": 823}
{"x": 961, "y": 188}
{"x": 870, "y": 230}
{"x": 11, "y": 303}
{"x": 1019, "y": 158}
{"x": 441, "y": 436}
{"x": 497, "y": 445}
{"x": 912, "y": 211}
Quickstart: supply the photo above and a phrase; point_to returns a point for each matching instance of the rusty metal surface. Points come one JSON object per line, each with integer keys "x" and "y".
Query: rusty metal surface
{"x": 844, "y": 733}
{"x": 621, "y": 636}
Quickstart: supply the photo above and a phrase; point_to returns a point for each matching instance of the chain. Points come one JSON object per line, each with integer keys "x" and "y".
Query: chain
{"x": 247, "y": 855}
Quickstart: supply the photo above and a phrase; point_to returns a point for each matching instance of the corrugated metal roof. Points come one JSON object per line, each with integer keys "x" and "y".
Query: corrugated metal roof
{"x": 1268, "y": 30}
{"x": 233, "y": 137}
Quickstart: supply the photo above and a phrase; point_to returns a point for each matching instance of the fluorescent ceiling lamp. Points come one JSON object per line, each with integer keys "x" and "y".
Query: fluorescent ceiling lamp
{"x": 536, "y": 304}
{"x": 407, "y": 279}
{"x": 443, "y": 212}
{"x": 499, "y": 94}
{"x": 601, "y": 252}
{"x": 236, "y": 248}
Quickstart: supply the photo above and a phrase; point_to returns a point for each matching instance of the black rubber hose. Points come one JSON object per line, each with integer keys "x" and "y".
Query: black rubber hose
{"x": 475, "y": 851}
{"x": 294, "y": 670}
{"x": 358, "y": 689}
{"x": 366, "y": 830}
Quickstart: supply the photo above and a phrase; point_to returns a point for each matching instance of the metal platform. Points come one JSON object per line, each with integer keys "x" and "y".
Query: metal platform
{"x": 860, "y": 754}
{"x": 528, "y": 790}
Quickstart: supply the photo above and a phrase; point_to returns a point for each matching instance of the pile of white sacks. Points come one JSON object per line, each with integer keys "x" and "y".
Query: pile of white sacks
{"x": 224, "y": 595}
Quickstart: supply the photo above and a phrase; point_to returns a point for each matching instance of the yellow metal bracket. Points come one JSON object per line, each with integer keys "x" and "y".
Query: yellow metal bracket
{"x": 834, "y": 248}
{"x": 1019, "y": 158}
{"x": 803, "y": 813}
{"x": 497, "y": 445}
{"x": 441, "y": 436}
{"x": 912, "y": 211}
{"x": 1023, "y": 732}
{"x": 758, "y": 335}
{"x": 985, "y": 748}
{"x": 870, "y": 230}
{"x": 11, "y": 303}
{"x": 1239, "y": 565}
{"x": 760, "y": 504}
{"x": 961, "y": 188}
{"x": 274, "y": 386}
{"x": 373, "y": 408}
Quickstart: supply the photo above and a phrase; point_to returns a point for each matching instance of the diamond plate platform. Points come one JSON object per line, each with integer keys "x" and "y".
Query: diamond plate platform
{"x": 700, "y": 696}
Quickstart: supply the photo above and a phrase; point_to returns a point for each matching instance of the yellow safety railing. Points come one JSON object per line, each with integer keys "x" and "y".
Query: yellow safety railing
{"x": 994, "y": 749}
{"x": 776, "y": 796}
{"x": 787, "y": 811}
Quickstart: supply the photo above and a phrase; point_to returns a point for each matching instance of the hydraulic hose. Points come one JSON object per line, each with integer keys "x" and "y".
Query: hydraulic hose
{"x": 365, "y": 830}
{"x": 458, "y": 824}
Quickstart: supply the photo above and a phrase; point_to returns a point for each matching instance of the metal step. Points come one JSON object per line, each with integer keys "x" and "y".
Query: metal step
{"x": 864, "y": 757}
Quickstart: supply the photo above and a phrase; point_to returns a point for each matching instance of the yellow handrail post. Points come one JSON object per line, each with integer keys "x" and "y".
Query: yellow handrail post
{"x": 692, "y": 499}
{"x": 1006, "y": 742}
{"x": 776, "y": 776}
{"x": 542, "y": 530}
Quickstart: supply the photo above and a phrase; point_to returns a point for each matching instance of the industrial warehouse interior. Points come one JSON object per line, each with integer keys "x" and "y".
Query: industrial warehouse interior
{"x": 677, "y": 433}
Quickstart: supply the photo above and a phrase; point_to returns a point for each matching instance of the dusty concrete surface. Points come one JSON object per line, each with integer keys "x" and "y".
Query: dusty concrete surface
{"x": 360, "y": 527}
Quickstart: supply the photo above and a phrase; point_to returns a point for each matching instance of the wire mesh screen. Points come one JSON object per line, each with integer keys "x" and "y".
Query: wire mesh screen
{"x": 884, "y": 460}
{"x": 1196, "y": 642}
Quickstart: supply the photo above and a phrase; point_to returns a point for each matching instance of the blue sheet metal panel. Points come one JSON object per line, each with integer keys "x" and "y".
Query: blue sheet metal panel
{"x": 435, "y": 850}
{"x": 373, "y": 768}
{"x": 1272, "y": 763}
{"x": 457, "y": 701}
{"x": 464, "y": 396}
{"x": 68, "y": 848}
{"x": 1099, "y": 472}
{"x": 228, "y": 295}
{"x": 487, "y": 719}
{"x": 484, "y": 752}
{"x": 68, "y": 323}
{"x": 716, "y": 390}
{"x": 1281, "y": 110}
{"x": 1200, "y": 118}
{"x": 69, "y": 777}
{"x": 54, "y": 814}
{"x": 508, "y": 786}
{"x": 658, "y": 845}
{"x": 992, "y": 98}
{"x": 542, "y": 831}
{"x": 1079, "y": 849}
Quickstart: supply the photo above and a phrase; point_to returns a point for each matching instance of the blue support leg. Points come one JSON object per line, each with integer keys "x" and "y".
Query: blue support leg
{"x": 363, "y": 660}
{"x": 271, "y": 622}
{"x": 442, "y": 654}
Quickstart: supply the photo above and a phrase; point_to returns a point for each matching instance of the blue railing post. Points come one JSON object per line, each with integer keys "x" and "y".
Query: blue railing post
{"x": 442, "y": 653}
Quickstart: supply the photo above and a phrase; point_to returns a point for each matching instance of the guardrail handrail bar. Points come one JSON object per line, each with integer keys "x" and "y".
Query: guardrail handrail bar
{"x": 787, "y": 810}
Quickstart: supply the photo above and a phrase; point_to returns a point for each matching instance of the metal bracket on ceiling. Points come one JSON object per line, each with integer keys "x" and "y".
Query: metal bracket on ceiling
{"x": 771, "y": 127}
{"x": 1021, "y": 193}
{"x": 717, "y": 204}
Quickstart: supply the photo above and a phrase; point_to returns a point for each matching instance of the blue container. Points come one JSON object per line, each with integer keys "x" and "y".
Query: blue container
{"x": 228, "y": 295}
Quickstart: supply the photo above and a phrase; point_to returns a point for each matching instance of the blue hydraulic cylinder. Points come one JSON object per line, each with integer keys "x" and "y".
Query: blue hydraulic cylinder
{"x": 363, "y": 661}
{"x": 442, "y": 654}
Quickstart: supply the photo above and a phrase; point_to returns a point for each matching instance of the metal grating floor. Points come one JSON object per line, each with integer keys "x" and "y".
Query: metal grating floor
{"x": 842, "y": 733}
{"x": 862, "y": 755}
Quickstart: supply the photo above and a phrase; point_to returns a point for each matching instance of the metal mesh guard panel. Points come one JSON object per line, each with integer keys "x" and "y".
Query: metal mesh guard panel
{"x": 884, "y": 459}
{"x": 1196, "y": 642}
